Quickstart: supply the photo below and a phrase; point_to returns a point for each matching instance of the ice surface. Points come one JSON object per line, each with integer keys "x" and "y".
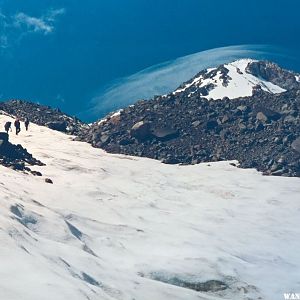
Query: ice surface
{"x": 121, "y": 227}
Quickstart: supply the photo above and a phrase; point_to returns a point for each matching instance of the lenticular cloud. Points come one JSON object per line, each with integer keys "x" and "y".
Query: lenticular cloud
{"x": 163, "y": 78}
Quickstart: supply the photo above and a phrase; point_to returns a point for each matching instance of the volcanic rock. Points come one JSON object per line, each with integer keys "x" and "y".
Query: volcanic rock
{"x": 58, "y": 125}
{"x": 141, "y": 130}
{"x": 165, "y": 133}
{"x": 15, "y": 156}
{"x": 209, "y": 130}
{"x": 3, "y": 139}
{"x": 48, "y": 180}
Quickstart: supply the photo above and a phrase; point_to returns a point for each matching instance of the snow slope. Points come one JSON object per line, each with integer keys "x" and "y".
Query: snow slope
{"x": 117, "y": 227}
{"x": 240, "y": 83}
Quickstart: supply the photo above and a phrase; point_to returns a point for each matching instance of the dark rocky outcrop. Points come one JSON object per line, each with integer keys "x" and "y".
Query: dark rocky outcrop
{"x": 261, "y": 131}
{"x": 273, "y": 73}
{"x": 15, "y": 156}
{"x": 58, "y": 125}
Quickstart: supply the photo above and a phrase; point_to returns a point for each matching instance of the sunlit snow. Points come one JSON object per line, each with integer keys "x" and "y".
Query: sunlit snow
{"x": 109, "y": 222}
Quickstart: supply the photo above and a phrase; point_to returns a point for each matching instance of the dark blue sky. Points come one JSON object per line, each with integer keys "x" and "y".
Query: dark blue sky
{"x": 63, "y": 52}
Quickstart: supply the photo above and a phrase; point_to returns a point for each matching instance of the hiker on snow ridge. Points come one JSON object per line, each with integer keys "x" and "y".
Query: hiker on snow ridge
{"x": 7, "y": 126}
{"x": 26, "y": 123}
{"x": 18, "y": 126}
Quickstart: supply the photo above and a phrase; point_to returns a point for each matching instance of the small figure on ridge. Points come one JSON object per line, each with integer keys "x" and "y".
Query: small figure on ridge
{"x": 7, "y": 126}
{"x": 26, "y": 123}
{"x": 18, "y": 126}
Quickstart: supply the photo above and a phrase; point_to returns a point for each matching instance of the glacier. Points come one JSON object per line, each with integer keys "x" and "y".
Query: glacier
{"x": 122, "y": 227}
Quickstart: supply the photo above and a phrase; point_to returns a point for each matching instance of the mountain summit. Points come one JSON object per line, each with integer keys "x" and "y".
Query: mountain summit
{"x": 239, "y": 79}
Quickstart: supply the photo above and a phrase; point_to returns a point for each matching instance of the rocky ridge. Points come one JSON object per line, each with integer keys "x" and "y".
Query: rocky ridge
{"x": 261, "y": 131}
{"x": 273, "y": 73}
{"x": 43, "y": 115}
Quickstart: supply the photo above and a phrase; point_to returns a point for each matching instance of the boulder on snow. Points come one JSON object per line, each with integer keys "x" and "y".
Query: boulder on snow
{"x": 57, "y": 125}
{"x": 36, "y": 173}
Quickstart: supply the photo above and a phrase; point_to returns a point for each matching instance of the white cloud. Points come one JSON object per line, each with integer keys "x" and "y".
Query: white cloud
{"x": 32, "y": 23}
{"x": 43, "y": 24}
{"x": 166, "y": 77}
{"x": 14, "y": 28}
{"x": 52, "y": 14}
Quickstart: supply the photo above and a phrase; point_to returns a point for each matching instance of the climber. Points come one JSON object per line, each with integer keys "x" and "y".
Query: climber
{"x": 7, "y": 126}
{"x": 18, "y": 126}
{"x": 26, "y": 123}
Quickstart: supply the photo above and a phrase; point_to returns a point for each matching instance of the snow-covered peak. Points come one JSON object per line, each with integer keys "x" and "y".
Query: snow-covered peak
{"x": 230, "y": 80}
